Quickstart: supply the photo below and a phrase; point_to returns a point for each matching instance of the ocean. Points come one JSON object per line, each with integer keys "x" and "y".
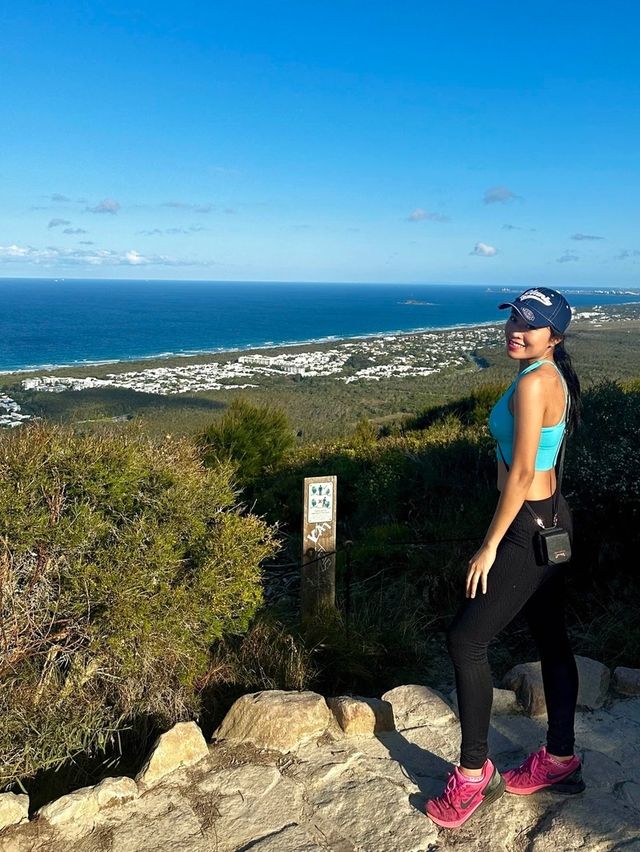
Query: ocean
{"x": 47, "y": 323}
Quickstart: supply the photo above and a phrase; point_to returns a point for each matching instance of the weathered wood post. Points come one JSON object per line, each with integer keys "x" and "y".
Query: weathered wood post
{"x": 318, "y": 582}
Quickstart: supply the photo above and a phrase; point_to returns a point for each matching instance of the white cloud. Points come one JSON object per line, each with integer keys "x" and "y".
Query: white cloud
{"x": 224, "y": 171}
{"x": 499, "y": 195}
{"x": 14, "y": 251}
{"x": 183, "y": 205}
{"x": 484, "y": 250}
{"x": 75, "y": 231}
{"x": 56, "y": 223}
{"x": 59, "y": 257}
{"x": 421, "y": 215}
{"x": 585, "y": 237}
{"x": 107, "y": 205}
{"x": 158, "y": 232}
{"x": 567, "y": 257}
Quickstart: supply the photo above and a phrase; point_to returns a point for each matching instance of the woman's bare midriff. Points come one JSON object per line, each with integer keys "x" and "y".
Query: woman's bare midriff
{"x": 543, "y": 485}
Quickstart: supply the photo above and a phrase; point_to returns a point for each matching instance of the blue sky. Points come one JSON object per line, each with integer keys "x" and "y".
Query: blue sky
{"x": 336, "y": 141}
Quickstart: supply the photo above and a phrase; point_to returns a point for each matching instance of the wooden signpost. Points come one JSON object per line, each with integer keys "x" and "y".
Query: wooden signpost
{"x": 318, "y": 584}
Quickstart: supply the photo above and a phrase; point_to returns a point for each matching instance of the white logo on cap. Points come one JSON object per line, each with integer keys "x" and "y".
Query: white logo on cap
{"x": 527, "y": 314}
{"x": 537, "y": 295}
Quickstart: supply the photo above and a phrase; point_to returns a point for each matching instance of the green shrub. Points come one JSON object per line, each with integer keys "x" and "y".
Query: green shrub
{"x": 121, "y": 562}
{"x": 254, "y": 437}
{"x": 472, "y": 410}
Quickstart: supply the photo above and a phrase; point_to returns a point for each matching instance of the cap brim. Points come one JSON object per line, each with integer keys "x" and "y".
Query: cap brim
{"x": 538, "y": 322}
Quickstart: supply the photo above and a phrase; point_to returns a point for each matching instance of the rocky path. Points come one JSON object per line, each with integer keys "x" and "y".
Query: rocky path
{"x": 366, "y": 792}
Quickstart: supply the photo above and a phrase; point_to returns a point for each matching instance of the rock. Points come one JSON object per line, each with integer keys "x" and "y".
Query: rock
{"x": 371, "y": 813}
{"x": 252, "y": 802}
{"x": 526, "y": 681}
{"x": 357, "y": 715}
{"x": 505, "y": 702}
{"x": 628, "y": 708}
{"x": 626, "y": 681}
{"x": 362, "y": 793}
{"x": 162, "y": 820}
{"x": 14, "y": 809}
{"x": 183, "y": 745}
{"x": 581, "y": 823}
{"x": 275, "y": 719}
{"x": 291, "y": 839}
{"x": 630, "y": 793}
{"x": 415, "y": 705}
{"x": 76, "y": 812}
{"x": 602, "y": 771}
{"x": 594, "y": 680}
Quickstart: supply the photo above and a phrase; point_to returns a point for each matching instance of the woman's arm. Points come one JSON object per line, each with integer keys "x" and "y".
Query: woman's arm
{"x": 528, "y": 413}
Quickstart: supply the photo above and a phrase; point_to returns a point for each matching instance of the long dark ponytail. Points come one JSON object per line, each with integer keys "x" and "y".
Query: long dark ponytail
{"x": 564, "y": 364}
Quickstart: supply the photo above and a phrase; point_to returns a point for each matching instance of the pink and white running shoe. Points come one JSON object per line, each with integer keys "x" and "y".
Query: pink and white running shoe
{"x": 462, "y": 798}
{"x": 541, "y": 772}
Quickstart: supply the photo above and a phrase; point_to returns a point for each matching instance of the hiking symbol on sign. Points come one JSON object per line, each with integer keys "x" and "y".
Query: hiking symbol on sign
{"x": 320, "y": 502}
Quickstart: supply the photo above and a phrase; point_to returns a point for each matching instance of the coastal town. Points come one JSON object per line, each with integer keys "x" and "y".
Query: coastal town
{"x": 365, "y": 359}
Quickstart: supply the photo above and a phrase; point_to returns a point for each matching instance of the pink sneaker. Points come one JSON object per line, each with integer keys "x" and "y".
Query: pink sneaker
{"x": 539, "y": 772}
{"x": 462, "y": 798}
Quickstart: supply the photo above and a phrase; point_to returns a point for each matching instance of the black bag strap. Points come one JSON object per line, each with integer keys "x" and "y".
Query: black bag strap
{"x": 559, "y": 467}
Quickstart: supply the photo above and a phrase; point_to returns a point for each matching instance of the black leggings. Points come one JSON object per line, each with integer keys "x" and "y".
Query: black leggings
{"x": 514, "y": 583}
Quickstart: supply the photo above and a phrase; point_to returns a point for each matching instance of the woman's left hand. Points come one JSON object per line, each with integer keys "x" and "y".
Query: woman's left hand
{"x": 479, "y": 567}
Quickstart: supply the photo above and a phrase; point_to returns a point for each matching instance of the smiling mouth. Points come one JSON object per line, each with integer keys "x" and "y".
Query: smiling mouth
{"x": 515, "y": 343}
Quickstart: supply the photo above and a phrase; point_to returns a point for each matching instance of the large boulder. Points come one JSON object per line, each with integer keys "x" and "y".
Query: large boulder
{"x": 183, "y": 745}
{"x": 526, "y": 681}
{"x": 630, "y": 793}
{"x": 76, "y": 812}
{"x": 14, "y": 809}
{"x": 505, "y": 702}
{"x": 415, "y": 706}
{"x": 594, "y": 683}
{"x": 275, "y": 719}
{"x": 357, "y": 715}
{"x": 626, "y": 681}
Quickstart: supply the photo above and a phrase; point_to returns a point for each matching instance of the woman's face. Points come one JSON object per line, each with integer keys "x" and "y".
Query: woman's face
{"x": 525, "y": 343}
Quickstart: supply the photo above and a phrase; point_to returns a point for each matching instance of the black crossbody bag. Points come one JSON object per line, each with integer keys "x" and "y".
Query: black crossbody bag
{"x": 552, "y": 544}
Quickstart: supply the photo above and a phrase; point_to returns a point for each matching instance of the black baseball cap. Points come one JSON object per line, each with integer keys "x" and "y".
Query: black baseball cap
{"x": 541, "y": 307}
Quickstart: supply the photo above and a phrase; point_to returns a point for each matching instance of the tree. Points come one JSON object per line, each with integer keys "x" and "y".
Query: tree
{"x": 253, "y": 437}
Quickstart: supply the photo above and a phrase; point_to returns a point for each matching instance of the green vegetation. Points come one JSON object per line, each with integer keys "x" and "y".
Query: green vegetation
{"x": 121, "y": 563}
{"x": 415, "y": 504}
{"x": 136, "y": 592}
{"x": 255, "y": 438}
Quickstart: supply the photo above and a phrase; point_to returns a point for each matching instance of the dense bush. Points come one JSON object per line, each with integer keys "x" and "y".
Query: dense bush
{"x": 413, "y": 504}
{"x": 603, "y": 489}
{"x": 121, "y": 562}
{"x": 254, "y": 437}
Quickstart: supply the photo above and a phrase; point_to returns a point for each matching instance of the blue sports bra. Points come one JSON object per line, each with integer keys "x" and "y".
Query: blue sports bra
{"x": 501, "y": 425}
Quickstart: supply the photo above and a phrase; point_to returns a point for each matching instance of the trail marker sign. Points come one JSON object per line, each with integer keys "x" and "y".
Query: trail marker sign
{"x": 318, "y": 585}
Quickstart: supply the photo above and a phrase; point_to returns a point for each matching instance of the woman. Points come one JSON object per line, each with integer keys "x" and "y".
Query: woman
{"x": 505, "y": 576}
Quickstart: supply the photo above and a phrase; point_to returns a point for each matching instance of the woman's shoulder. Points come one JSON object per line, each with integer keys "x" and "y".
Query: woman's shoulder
{"x": 542, "y": 372}
{"x": 536, "y": 384}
